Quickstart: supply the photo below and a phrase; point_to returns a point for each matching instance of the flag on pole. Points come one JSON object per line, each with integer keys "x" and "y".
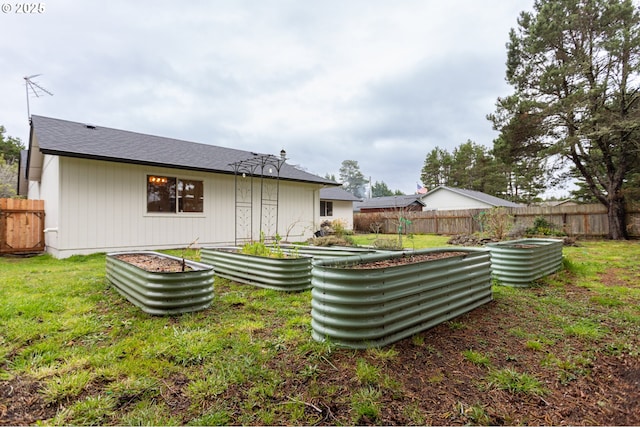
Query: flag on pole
{"x": 421, "y": 189}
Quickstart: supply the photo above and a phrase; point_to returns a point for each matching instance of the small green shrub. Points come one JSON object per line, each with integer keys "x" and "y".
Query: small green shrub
{"x": 542, "y": 227}
{"x": 387, "y": 244}
{"x": 332, "y": 240}
{"x": 496, "y": 222}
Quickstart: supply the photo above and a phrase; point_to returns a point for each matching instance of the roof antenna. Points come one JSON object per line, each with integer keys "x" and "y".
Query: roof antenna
{"x": 35, "y": 89}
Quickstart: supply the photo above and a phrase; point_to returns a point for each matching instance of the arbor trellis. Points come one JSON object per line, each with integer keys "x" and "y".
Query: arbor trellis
{"x": 265, "y": 168}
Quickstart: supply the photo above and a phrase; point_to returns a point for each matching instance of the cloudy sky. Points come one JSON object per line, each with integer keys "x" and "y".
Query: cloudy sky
{"x": 377, "y": 81}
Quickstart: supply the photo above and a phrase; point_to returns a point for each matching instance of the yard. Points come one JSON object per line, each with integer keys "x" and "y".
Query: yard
{"x": 73, "y": 351}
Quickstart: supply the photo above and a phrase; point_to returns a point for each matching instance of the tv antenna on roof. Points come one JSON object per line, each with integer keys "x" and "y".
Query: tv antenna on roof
{"x": 33, "y": 88}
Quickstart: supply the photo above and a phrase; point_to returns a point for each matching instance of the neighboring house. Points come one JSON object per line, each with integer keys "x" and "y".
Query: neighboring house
{"x": 448, "y": 198}
{"x": 112, "y": 190}
{"x": 411, "y": 202}
{"x": 337, "y": 203}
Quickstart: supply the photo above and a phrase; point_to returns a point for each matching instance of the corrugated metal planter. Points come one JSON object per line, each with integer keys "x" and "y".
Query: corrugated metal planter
{"x": 162, "y": 293}
{"x": 518, "y": 263}
{"x": 282, "y": 274}
{"x": 361, "y": 308}
{"x": 325, "y": 252}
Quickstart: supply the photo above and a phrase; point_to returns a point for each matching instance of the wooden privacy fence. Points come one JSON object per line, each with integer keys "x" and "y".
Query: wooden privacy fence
{"x": 21, "y": 226}
{"x": 576, "y": 220}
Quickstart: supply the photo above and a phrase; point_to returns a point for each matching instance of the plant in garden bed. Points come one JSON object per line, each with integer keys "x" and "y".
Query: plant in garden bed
{"x": 260, "y": 248}
{"x": 262, "y": 265}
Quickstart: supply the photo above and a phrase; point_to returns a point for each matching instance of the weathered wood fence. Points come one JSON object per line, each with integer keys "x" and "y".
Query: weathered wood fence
{"x": 21, "y": 226}
{"x": 576, "y": 220}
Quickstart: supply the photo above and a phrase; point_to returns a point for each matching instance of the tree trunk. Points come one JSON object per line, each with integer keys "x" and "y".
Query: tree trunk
{"x": 616, "y": 213}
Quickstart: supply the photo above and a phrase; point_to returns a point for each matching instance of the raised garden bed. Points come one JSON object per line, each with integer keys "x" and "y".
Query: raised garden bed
{"x": 376, "y": 299}
{"x": 161, "y": 284}
{"x": 519, "y": 263}
{"x": 288, "y": 273}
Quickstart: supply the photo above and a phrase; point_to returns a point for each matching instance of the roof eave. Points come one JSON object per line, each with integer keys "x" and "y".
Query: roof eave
{"x": 156, "y": 164}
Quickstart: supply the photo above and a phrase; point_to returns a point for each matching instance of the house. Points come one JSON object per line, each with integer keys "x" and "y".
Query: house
{"x": 111, "y": 190}
{"x": 448, "y": 198}
{"x": 336, "y": 203}
{"x": 411, "y": 202}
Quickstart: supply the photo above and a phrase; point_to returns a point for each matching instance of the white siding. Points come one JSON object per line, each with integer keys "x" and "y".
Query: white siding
{"x": 48, "y": 189}
{"x": 103, "y": 208}
{"x": 299, "y": 213}
{"x": 343, "y": 211}
{"x": 444, "y": 199}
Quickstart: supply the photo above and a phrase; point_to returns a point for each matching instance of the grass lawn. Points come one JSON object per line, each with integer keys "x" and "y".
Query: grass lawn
{"x": 415, "y": 241}
{"x": 73, "y": 351}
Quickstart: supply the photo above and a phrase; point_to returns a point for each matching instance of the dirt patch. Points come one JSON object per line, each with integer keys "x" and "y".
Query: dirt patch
{"x": 154, "y": 264}
{"x": 406, "y": 259}
{"x": 620, "y": 277}
{"x": 21, "y": 404}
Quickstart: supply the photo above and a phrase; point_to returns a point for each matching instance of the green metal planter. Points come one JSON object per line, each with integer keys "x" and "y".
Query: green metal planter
{"x": 282, "y": 274}
{"x": 162, "y": 293}
{"x": 361, "y": 308}
{"x": 519, "y": 263}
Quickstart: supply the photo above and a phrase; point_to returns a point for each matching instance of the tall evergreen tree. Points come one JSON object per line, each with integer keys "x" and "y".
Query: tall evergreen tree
{"x": 10, "y": 147}
{"x": 575, "y": 69}
{"x": 380, "y": 189}
{"x": 471, "y": 166}
{"x": 9, "y": 156}
{"x": 437, "y": 168}
{"x": 352, "y": 179}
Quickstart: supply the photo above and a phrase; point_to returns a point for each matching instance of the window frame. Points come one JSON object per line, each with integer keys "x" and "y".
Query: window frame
{"x": 328, "y": 208}
{"x": 178, "y": 194}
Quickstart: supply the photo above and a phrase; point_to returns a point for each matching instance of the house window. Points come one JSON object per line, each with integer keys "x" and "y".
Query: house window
{"x": 190, "y": 195}
{"x": 326, "y": 208}
{"x": 170, "y": 194}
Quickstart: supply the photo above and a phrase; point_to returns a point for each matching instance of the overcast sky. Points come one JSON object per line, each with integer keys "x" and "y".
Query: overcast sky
{"x": 379, "y": 82}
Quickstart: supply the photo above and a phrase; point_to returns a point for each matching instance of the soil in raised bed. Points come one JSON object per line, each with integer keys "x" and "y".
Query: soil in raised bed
{"x": 154, "y": 264}
{"x": 408, "y": 259}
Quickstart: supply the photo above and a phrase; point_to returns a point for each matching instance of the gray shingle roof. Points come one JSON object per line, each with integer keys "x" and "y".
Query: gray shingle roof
{"x": 72, "y": 139}
{"x": 337, "y": 193}
{"x": 389, "y": 202}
